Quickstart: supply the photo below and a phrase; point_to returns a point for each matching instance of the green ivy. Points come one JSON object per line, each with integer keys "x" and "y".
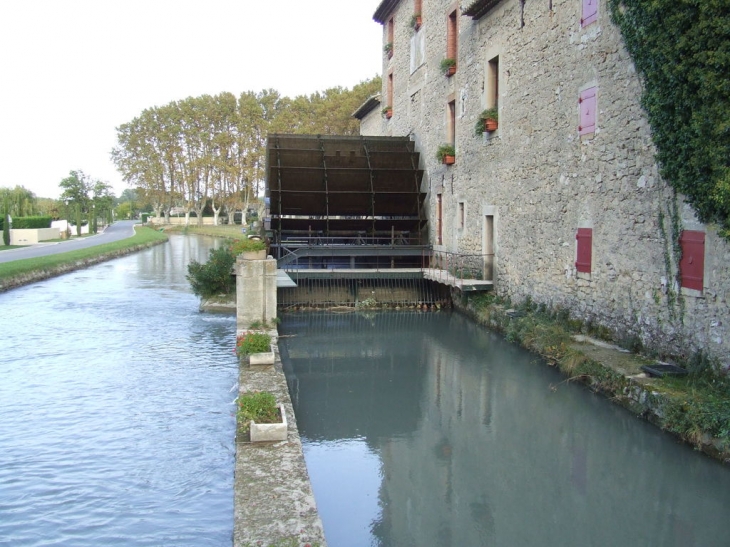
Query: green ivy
{"x": 682, "y": 50}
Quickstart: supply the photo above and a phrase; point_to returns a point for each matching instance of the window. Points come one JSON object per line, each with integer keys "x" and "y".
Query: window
{"x": 391, "y": 35}
{"x": 389, "y": 90}
{"x": 589, "y": 13}
{"x": 451, "y": 123}
{"x": 692, "y": 264}
{"x": 492, "y": 83}
{"x": 461, "y": 218}
{"x": 584, "y": 249}
{"x": 439, "y": 228}
{"x": 588, "y": 103}
{"x": 451, "y": 36}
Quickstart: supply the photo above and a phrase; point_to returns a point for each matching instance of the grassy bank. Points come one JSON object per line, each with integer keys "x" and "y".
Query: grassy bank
{"x": 230, "y": 231}
{"x": 695, "y": 408}
{"x": 21, "y": 272}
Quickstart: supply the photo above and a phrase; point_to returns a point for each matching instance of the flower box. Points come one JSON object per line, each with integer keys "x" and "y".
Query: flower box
{"x": 269, "y": 432}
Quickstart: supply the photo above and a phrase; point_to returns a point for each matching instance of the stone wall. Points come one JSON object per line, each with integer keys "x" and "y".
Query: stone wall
{"x": 524, "y": 190}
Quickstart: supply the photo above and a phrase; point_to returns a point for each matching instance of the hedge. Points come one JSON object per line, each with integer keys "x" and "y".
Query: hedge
{"x": 29, "y": 223}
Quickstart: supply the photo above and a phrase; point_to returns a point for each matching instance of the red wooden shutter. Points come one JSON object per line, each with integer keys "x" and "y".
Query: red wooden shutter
{"x": 692, "y": 264}
{"x": 590, "y": 12}
{"x": 588, "y": 102}
{"x": 584, "y": 249}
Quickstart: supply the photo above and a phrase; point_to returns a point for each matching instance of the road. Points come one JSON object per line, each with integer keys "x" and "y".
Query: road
{"x": 117, "y": 231}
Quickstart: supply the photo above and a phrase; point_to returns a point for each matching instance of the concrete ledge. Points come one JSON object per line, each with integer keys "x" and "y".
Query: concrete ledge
{"x": 273, "y": 502}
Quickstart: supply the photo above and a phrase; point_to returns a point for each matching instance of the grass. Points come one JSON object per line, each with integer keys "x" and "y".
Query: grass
{"x": 143, "y": 236}
{"x": 230, "y": 231}
{"x": 8, "y": 247}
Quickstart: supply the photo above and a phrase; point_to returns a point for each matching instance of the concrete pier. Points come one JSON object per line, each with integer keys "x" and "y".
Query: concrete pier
{"x": 273, "y": 502}
{"x": 255, "y": 291}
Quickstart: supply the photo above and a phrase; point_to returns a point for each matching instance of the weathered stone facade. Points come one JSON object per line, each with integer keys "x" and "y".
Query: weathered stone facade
{"x": 523, "y": 191}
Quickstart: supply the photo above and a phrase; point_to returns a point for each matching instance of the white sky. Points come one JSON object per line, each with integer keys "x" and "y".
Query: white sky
{"x": 71, "y": 71}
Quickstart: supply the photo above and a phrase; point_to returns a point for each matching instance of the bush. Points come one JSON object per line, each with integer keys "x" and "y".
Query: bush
{"x": 252, "y": 342}
{"x": 259, "y": 406}
{"x": 247, "y": 245}
{"x": 215, "y": 276}
{"x": 30, "y": 223}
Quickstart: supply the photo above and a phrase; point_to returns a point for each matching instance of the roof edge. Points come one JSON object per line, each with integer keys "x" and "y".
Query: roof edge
{"x": 385, "y": 8}
{"x": 365, "y": 108}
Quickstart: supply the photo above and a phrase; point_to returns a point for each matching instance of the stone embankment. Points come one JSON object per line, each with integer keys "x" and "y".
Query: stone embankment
{"x": 273, "y": 502}
{"x": 54, "y": 271}
{"x": 607, "y": 369}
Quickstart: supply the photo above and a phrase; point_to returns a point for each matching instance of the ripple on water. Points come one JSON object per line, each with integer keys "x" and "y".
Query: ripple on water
{"x": 116, "y": 423}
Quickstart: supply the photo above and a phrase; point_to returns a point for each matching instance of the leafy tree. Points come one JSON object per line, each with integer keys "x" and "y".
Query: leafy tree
{"x": 21, "y": 202}
{"x": 76, "y": 188}
{"x": 6, "y": 221}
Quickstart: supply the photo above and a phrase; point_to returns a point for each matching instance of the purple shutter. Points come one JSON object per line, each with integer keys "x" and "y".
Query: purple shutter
{"x": 692, "y": 264}
{"x": 589, "y": 13}
{"x": 588, "y": 103}
{"x": 584, "y": 238}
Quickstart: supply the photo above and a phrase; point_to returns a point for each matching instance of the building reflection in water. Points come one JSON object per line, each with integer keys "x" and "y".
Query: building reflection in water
{"x": 424, "y": 429}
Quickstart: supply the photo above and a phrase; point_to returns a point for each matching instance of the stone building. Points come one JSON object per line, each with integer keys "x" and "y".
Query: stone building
{"x": 563, "y": 200}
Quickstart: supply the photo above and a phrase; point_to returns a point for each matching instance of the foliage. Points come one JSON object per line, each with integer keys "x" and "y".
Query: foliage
{"x": 210, "y": 150}
{"x": 445, "y": 150}
{"x": 446, "y": 64}
{"x": 414, "y": 20}
{"x": 30, "y": 223}
{"x": 215, "y": 276}
{"x": 142, "y": 237}
{"x": 20, "y": 202}
{"x": 682, "y": 51}
{"x": 247, "y": 245}
{"x": 488, "y": 114}
{"x": 5, "y": 223}
{"x": 387, "y": 110}
{"x": 387, "y": 48}
{"x": 259, "y": 406}
{"x": 252, "y": 342}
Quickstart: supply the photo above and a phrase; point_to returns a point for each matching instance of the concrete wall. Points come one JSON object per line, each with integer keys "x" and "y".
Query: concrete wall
{"x": 537, "y": 180}
{"x": 32, "y": 236}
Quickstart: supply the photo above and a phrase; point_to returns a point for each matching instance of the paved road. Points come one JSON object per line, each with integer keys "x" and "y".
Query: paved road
{"x": 119, "y": 230}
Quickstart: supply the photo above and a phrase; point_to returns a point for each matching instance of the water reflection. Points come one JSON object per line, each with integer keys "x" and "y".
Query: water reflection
{"x": 467, "y": 444}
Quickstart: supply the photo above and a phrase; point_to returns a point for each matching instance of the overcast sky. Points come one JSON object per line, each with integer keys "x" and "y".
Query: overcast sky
{"x": 71, "y": 71}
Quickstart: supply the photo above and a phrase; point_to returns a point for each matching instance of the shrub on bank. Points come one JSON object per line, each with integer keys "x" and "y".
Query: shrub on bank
{"x": 215, "y": 276}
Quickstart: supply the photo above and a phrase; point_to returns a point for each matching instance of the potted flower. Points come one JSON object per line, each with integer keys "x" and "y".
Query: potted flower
{"x": 260, "y": 416}
{"x": 446, "y": 154}
{"x": 256, "y": 347}
{"x": 487, "y": 121}
{"x": 388, "y": 48}
{"x": 252, "y": 248}
{"x": 416, "y": 21}
{"x": 448, "y": 67}
{"x": 388, "y": 112}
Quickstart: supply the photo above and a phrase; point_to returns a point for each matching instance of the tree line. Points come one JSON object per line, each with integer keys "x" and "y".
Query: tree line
{"x": 210, "y": 151}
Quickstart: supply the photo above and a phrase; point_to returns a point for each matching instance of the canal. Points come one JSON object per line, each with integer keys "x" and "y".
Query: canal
{"x": 116, "y": 407}
{"x": 424, "y": 429}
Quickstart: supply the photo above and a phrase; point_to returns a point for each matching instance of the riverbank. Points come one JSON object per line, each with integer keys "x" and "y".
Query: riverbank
{"x": 273, "y": 502}
{"x": 695, "y": 408}
{"x": 17, "y": 273}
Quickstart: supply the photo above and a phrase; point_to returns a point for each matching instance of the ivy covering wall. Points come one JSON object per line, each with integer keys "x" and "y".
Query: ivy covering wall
{"x": 682, "y": 50}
